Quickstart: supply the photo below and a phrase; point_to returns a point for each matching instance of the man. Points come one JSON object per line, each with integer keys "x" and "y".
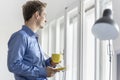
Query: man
{"x": 25, "y": 57}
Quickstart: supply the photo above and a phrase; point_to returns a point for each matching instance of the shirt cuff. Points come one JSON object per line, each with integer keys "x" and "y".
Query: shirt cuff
{"x": 48, "y": 62}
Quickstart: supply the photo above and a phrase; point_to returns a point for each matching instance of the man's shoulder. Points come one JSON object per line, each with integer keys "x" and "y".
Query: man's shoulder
{"x": 20, "y": 34}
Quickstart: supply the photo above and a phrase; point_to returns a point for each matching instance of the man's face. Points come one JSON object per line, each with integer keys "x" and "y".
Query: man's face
{"x": 42, "y": 19}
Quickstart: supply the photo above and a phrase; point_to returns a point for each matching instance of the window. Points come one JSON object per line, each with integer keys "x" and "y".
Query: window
{"x": 89, "y": 47}
{"x": 60, "y": 44}
{"x": 44, "y": 39}
{"x": 71, "y": 43}
{"x": 52, "y": 37}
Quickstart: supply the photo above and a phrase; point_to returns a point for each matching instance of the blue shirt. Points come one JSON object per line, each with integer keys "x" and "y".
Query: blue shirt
{"x": 25, "y": 57}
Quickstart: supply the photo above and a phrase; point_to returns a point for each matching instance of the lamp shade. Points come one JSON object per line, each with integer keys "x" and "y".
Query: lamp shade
{"x": 105, "y": 28}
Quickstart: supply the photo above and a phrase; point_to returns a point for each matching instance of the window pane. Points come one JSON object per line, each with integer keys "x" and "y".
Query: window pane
{"x": 52, "y": 38}
{"x": 71, "y": 55}
{"x": 89, "y": 46}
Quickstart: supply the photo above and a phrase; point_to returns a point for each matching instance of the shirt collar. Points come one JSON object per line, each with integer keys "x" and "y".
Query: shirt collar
{"x": 29, "y": 31}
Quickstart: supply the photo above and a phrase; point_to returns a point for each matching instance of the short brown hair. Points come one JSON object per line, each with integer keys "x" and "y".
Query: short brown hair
{"x": 31, "y": 7}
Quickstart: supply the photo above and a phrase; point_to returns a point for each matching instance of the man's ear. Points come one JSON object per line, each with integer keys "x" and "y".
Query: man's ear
{"x": 36, "y": 15}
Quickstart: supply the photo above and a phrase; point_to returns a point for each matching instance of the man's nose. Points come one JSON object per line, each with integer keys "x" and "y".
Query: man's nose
{"x": 45, "y": 21}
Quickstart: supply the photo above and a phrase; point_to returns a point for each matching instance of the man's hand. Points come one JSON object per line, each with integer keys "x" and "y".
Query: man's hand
{"x": 51, "y": 71}
{"x": 53, "y": 64}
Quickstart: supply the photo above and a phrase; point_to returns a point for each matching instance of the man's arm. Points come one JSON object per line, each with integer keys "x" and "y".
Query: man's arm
{"x": 16, "y": 64}
{"x": 49, "y": 62}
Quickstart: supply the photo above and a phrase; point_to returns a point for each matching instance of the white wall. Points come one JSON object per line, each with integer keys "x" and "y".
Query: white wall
{"x": 116, "y": 43}
{"x": 10, "y": 21}
{"x": 116, "y": 15}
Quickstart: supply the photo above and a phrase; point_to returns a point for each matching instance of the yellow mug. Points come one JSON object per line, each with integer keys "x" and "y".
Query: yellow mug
{"x": 56, "y": 58}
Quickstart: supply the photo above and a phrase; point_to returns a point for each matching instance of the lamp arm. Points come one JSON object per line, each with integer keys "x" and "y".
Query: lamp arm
{"x": 110, "y": 53}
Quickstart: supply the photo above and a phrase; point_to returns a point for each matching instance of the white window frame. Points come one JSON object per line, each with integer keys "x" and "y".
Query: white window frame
{"x": 68, "y": 9}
